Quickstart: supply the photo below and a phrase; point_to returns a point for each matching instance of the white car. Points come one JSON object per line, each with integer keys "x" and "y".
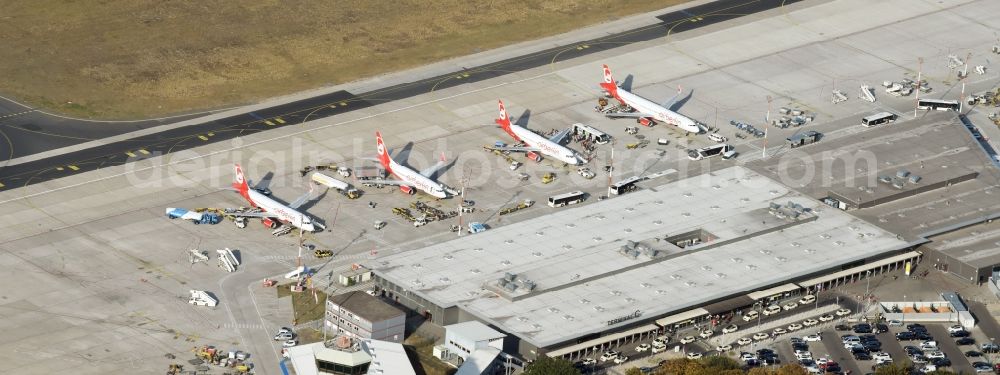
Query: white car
{"x": 716, "y": 137}
{"x": 289, "y": 343}
{"x": 826, "y": 318}
{"x": 895, "y": 323}
{"x": 659, "y": 348}
{"x": 789, "y": 306}
{"x": 935, "y": 354}
{"x": 812, "y": 337}
{"x": 747, "y": 356}
{"x": 660, "y": 341}
{"x": 810, "y": 322}
{"x": 843, "y": 312}
{"x": 955, "y": 328}
{"x": 803, "y": 355}
{"x": 621, "y": 359}
{"x": 723, "y": 348}
{"x": 881, "y": 355}
{"x": 760, "y": 336}
{"x": 687, "y": 340}
{"x": 608, "y": 355}
{"x": 779, "y": 331}
{"x": 642, "y": 348}
{"x": 744, "y": 341}
{"x": 585, "y": 172}
{"x": 694, "y": 355}
{"x": 807, "y": 299}
{"x": 771, "y": 310}
{"x": 794, "y": 327}
{"x": 730, "y": 328}
{"x": 751, "y": 315}
{"x": 588, "y": 362}
{"x": 706, "y": 334}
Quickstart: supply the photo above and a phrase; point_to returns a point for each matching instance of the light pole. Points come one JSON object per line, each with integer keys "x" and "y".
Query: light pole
{"x": 903, "y": 311}
{"x": 868, "y": 283}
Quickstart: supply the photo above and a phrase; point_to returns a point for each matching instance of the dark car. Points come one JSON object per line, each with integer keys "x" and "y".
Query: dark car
{"x": 905, "y": 336}
{"x": 913, "y": 326}
{"x": 923, "y": 336}
{"x": 862, "y": 328}
{"x": 910, "y": 350}
{"x": 962, "y": 333}
{"x": 941, "y": 362}
{"x": 990, "y": 348}
{"x": 764, "y": 352}
{"x": 842, "y": 327}
{"x": 973, "y": 354}
{"x": 965, "y": 341}
{"x": 873, "y": 346}
{"x": 881, "y": 327}
{"x": 867, "y": 338}
{"x": 862, "y": 356}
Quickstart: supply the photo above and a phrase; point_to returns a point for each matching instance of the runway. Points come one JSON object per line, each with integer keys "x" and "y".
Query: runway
{"x": 27, "y": 132}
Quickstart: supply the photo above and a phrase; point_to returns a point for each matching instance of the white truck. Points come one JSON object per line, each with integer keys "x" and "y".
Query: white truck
{"x": 202, "y": 298}
{"x": 344, "y": 188}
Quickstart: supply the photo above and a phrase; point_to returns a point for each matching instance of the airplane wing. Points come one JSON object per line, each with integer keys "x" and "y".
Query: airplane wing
{"x": 303, "y": 199}
{"x": 390, "y": 182}
{"x": 516, "y": 149}
{"x": 671, "y": 101}
{"x": 251, "y": 214}
{"x": 558, "y": 137}
{"x": 434, "y": 168}
{"x": 627, "y": 115}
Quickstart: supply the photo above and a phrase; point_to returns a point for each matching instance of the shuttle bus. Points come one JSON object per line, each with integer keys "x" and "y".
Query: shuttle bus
{"x": 572, "y": 197}
{"x": 591, "y": 133}
{"x": 625, "y": 186}
{"x": 937, "y": 104}
{"x": 878, "y": 118}
{"x": 727, "y": 151}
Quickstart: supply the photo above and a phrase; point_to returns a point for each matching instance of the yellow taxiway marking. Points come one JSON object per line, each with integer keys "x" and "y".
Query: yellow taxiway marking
{"x": 2, "y": 185}
{"x": 268, "y": 123}
{"x": 211, "y": 134}
{"x": 466, "y": 75}
{"x": 59, "y": 168}
{"x": 279, "y": 120}
{"x": 73, "y": 167}
{"x": 202, "y": 137}
{"x": 144, "y": 152}
{"x": 130, "y": 154}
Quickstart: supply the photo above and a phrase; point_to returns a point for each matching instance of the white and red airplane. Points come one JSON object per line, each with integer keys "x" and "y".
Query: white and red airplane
{"x": 645, "y": 109}
{"x": 271, "y": 209}
{"x": 535, "y": 142}
{"x": 408, "y": 178}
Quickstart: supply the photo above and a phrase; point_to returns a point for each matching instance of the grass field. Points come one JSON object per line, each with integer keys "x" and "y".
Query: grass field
{"x": 306, "y": 306}
{"x": 115, "y": 59}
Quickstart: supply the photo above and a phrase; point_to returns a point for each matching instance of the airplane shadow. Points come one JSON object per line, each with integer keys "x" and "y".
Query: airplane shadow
{"x": 404, "y": 153}
{"x": 680, "y": 102}
{"x": 312, "y": 202}
{"x": 265, "y": 181}
{"x": 523, "y": 119}
{"x": 627, "y": 83}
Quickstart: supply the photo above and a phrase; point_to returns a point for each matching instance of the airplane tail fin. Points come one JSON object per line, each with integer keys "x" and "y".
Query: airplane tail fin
{"x": 240, "y": 183}
{"x": 383, "y": 153}
{"x": 609, "y": 84}
{"x": 504, "y": 120}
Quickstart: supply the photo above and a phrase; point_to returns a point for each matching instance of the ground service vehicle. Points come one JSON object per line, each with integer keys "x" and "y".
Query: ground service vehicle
{"x": 878, "y": 118}
{"x": 937, "y": 104}
{"x": 626, "y": 185}
{"x": 572, "y": 197}
{"x": 727, "y": 151}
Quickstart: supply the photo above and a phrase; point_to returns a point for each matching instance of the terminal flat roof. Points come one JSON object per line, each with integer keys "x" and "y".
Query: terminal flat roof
{"x": 977, "y": 245}
{"x": 584, "y": 285}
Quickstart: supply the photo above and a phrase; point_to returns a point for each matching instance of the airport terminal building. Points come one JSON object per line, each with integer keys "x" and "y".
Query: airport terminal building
{"x": 626, "y": 268}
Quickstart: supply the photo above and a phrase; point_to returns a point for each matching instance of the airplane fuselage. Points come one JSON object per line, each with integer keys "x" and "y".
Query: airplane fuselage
{"x": 418, "y": 180}
{"x": 284, "y": 213}
{"x": 547, "y": 147}
{"x": 658, "y": 112}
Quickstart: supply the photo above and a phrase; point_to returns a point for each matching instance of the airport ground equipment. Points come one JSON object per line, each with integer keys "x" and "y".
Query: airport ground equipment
{"x": 520, "y": 206}
{"x": 548, "y": 177}
{"x": 227, "y": 260}
{"x": 340, "y": 186}
{"x": 194, "y": 216}
{"x": 320, "y": 254}
{"x": 202, "y": 298}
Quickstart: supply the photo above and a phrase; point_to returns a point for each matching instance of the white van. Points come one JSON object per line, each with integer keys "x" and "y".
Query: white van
{"x": 750, "y": 315}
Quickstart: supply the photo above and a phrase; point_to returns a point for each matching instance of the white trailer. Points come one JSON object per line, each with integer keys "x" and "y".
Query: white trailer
{"x": 202, "y": 298}
{"x": 227, "y": 260}
{"x": 333, "y": 183}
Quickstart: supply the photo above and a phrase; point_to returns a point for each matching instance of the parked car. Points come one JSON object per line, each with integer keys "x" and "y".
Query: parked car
{"x": 843, "y": 312}
{"x": 760, "y": 336}
{"x": 810, "y": 322}
{"x": 744, "y": 341}
{"x": 706, "y": 334}
{"x": 642, "y": 348}
{"x": 621, "y": 359}
{"x": 965, "y": 341}
{"x": 694, "y": 355}
{"x": 608, "y": 355}
{"x": 730, "y": 328}
{"x": 812, "y": 337}
{"x": 687, "y": 340}
{"x": 807, "y": 299}
{"x": 789, "y": 306}
{"x": 826, "y": 318}
{"x": 771, "y": 310}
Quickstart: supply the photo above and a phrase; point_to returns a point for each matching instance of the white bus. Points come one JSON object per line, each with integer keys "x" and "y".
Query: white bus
{"x": 626, "y": 185}
{"x": 572, "y": 197}
{"x": 591, "y": 133}
{"x": 727, "y": 151}
{"x": 937, "y": 104}
{"x": 878, "y": 118}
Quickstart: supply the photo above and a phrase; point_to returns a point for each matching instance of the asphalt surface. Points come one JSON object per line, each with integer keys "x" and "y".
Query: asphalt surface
{"x": 33, "y": 132}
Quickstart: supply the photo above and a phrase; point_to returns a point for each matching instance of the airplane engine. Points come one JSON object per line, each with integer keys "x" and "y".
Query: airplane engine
{"x": 646, "y": 121}
{"x": 407, "y": 189}
{"x": 534, "y": 156}
{"x": 268, "y": 222}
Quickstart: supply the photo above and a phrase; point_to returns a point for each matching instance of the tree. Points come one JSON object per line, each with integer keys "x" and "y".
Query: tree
{"x": 791, "y": 369}
{"x": 720, "y": 363}
{"x": 633, "y": 371}
{"x": 551, "y": 366}
{"x": 893, "y": 369}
